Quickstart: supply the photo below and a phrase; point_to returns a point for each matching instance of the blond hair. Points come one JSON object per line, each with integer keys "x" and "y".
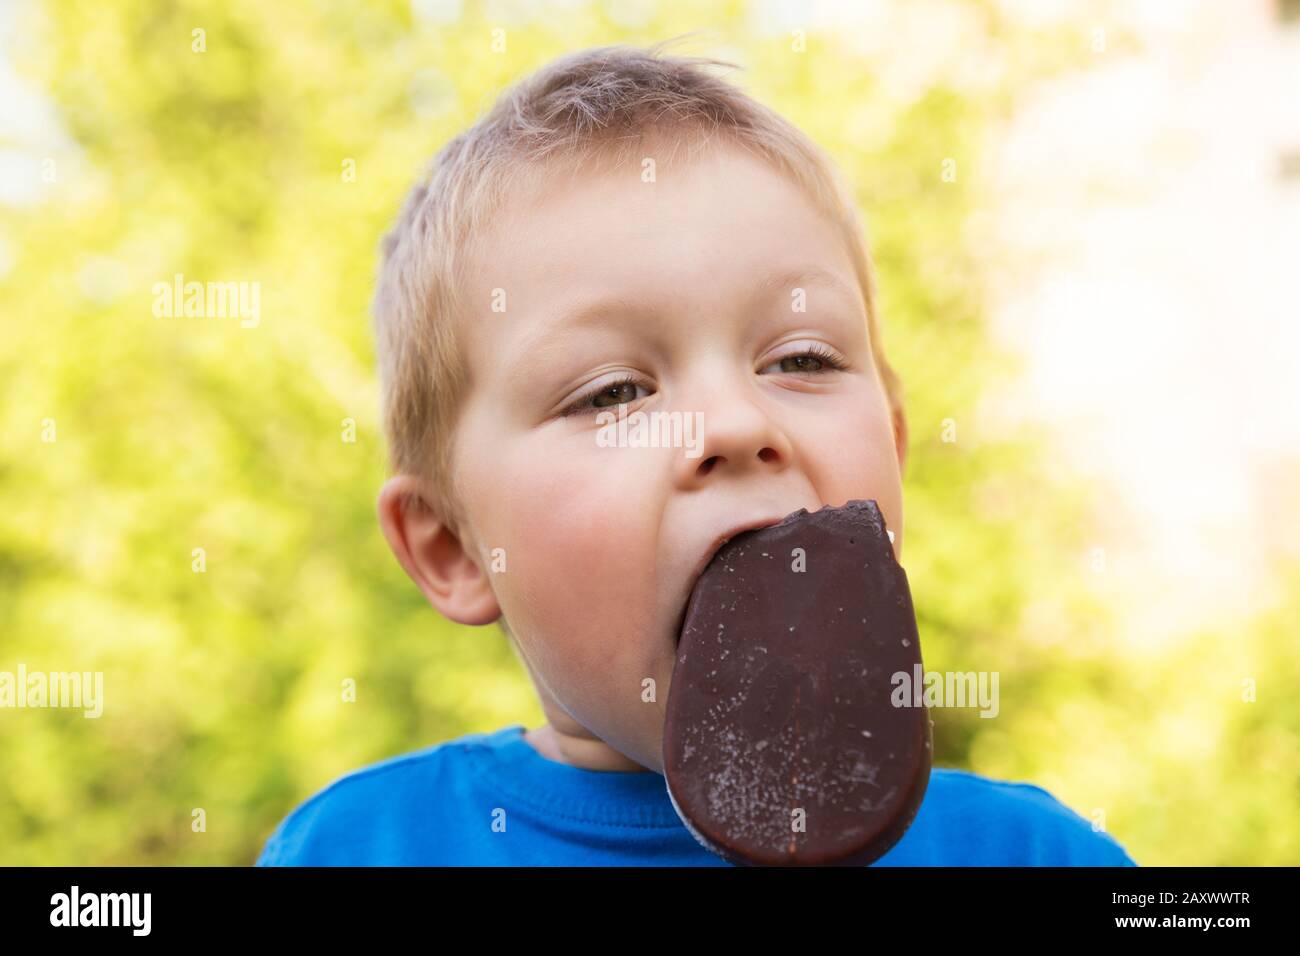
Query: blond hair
{"x": 597, "y": 99}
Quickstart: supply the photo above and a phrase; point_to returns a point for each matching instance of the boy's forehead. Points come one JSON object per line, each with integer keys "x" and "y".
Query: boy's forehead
{"x": 572, "y": 230}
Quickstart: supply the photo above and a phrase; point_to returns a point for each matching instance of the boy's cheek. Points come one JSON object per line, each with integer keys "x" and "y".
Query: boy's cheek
{"x": 576, "y": 532}
{"x": 586, "y": 604}
{"x": 867, "y": 468}
{"x": 581, "y": 592}
{"x": 588, "y": 514}
{"x": 873, "y": 456}
{"x": 575, "y": 564}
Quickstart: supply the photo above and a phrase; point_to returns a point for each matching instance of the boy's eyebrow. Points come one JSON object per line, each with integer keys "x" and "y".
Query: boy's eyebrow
{"x": 799, "y": 277}
{"x": 566, "y": 320}
{"x": 570, "y": 319}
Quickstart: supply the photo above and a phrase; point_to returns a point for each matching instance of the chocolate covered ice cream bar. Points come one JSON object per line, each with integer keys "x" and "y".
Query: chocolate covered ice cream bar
{"x": 781, "y": 745}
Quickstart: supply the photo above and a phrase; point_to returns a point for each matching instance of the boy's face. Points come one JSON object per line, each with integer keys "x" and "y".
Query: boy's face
{"x": 686, "y": 289}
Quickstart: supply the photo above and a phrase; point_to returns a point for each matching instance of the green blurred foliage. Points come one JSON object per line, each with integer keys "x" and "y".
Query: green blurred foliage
{"x": 223, "y": 688}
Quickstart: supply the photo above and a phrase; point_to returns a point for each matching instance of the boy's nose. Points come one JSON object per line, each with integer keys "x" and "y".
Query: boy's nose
{"x": 738, "y": 436}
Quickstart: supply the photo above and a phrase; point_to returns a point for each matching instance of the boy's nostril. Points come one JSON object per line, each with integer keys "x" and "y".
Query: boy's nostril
{"x": 767, "y": 454}
{"x": 707, "y": 466}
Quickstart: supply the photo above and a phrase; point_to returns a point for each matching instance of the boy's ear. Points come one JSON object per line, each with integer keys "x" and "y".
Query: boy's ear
{"x": 900, "y": 437}
{"x": 433, "y": 555}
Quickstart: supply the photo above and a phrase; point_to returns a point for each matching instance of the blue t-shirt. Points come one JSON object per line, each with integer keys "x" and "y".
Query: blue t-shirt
{"x": 490, "y": 799}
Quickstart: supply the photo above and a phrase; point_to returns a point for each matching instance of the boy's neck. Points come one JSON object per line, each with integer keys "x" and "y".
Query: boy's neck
{"x": 579, "y": 748}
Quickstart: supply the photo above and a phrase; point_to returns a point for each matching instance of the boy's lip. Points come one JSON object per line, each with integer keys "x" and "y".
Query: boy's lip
{"x": 721, "y": 539}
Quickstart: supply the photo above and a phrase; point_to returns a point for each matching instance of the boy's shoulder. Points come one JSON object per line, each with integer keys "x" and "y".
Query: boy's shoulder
{"x": 968, "y": 819}
{"x": 340, "y": 820}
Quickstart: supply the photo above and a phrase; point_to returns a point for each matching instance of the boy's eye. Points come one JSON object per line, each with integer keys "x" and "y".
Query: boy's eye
{"x": 622, "y": 392}
{"x": 801, "y": 363}
{"x": 618, "y": 394}
{"x": 812, "y": 360}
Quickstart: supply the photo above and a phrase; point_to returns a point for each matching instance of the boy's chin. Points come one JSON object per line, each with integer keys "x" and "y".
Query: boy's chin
{"x": 652, "y": 760}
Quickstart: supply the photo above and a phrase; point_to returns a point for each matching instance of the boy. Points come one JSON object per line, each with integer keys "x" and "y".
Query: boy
{"x": 627, "y": 232}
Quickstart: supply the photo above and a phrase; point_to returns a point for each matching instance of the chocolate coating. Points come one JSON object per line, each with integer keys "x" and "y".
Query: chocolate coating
{"x": 781, "y": 744}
